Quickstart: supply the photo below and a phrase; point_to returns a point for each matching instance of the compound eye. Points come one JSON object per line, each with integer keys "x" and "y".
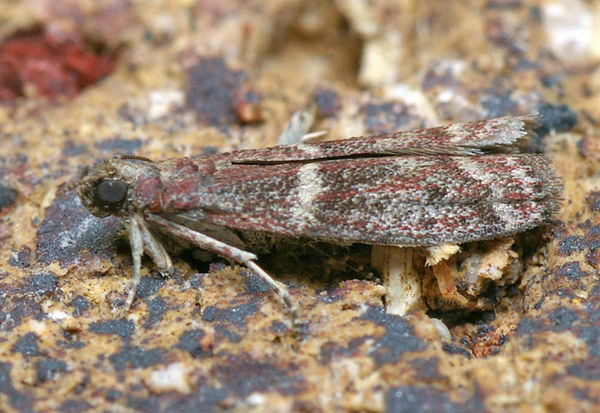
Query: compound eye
{"x": 111, "y": 191}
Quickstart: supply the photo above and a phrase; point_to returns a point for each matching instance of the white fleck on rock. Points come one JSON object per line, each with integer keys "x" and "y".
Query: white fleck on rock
{"x": 174, "y": 376}
{"x": 569, "y": 25}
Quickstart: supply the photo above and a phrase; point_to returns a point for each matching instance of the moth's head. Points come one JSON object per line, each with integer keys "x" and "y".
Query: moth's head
{"x": 109, "y": 187}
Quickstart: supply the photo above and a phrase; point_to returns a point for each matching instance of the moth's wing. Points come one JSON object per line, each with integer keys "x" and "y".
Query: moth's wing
{"x": 469, "y": 138}
{"x": 397, "y": 200}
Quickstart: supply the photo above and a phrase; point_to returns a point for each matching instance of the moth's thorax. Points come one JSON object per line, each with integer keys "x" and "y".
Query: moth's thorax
{"x": 120, "y": 186}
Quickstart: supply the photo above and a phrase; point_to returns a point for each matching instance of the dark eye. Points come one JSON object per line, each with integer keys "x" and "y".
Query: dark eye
{"x": 111, "y": 191}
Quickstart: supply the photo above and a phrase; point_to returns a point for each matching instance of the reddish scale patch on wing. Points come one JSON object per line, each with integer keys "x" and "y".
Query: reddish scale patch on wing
{"x": 38, "y": 63}
{"x": 147, "y": 192}
{"x": 181, "y": 194}
{"x": 181, "y": 179}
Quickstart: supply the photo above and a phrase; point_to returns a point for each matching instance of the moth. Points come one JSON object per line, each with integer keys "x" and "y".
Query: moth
{"x": 444, "y": 185}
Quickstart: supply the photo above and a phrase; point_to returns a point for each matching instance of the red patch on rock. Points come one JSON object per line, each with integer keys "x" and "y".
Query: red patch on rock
{"x": 37, "y": 64}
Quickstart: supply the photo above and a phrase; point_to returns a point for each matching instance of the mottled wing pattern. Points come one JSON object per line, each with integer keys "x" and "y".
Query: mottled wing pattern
{"x": 469, "y": 138}
{"x": 389, "y": 200}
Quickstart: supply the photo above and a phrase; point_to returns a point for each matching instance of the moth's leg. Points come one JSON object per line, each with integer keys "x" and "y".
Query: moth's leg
{"x": 154, "y": 249}
{"x": 227, "y": 251}
{"x": 137, "y": 250}
{"x": 297, "y": 129}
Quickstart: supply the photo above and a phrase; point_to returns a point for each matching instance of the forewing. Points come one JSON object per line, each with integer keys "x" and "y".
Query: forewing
{"x": 399, "y": 200}
{"x": 469, "y": 138}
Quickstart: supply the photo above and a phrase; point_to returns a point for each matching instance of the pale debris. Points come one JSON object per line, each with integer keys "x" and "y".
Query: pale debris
{"x": 400, "y": 278}
{"x": 173, "y": 377}
{"x": 409, "y": 284}
{"x": 298, "y": 128}
{"x": 437, "y": 253}
{"x": 442, "y": 329}
{"x": 569, "y": 26}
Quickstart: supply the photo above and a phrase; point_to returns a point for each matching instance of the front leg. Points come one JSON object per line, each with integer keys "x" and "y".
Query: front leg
{"x": 154, "y": 248}
{"x": 142, "y": 240}
{"x": 232, "y": 253}
{"x": 137, "y": 250}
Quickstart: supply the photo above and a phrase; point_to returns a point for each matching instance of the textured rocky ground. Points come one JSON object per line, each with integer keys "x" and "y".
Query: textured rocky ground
{"x": 192, "y": 77}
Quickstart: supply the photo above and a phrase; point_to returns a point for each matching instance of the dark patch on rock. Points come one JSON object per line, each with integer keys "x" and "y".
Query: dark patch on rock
{"x": 22, "y": 259}
{"x": 113, "y": 395}
{"x": 203, "y": 399}
{"x": 539, "y": 303}
{"x": 71, "y": 149}
{"x": 135, "y": 357}
{"x": 20, "y": 401}
{"x": 196, "y": 280}
{"x": 594, "y": 315}
{"x": 47, "y": 369}
{"x": 584, "y": 394}
{"x": 328, "y": 102}
{"x": 399, "y": 336}
{"x": 529, "y": 326}
{"x": 587, "y": 369}
{"x": 80, "y": 305}
{"x": 243, "y": 375}
{"x": 27, "y": 345}
{"x": 485, "y": 342}
{"x": 149, "y": 286}
{"x": 571, "y": 244}
{"x": 558, "y": 118}
{"x": 437, "y": 75}
{"x": 213, "y": 91}
{"x": 330, "y": 349}
{"x": 42, "y": 284}
{"x": 74, "y": 406}
{"x": 120, "y": 145}
{"x": 592, "y": 236}
{"x": 552, "y": 81}
{"x": 593, "y": 243}
{"x": 8, "y": 196}
{"x": 562, "y": 319}
{"x": 386, "y": 117}
{"x": 121, "y": 327}
{"x": 210, "y": 150}
{"x": 18, "y": 308}
{"x": 223, "y": 332}
{"x": 68, "y": 228}
{"x": 235, "y": 315}
{"x": 593, "y": 201}
{"x": 591, "y": 336}
{"x": 209, "y": 314}
{"x": 333, "y": 294}
{"x": 503, "y": 4}
{"x": 454, "y": 349}
{"x": 559, "y": 229}
{"x": 497, "y": 103}
{"x": 191, "y": 341}
{"x": 72, "y": 341}
{"x": 416, "y": 399}
{"x": 278, "y": 327}
{"x": 256, "y": 285}
{"x": 571, "y": 270}
{"x": 156, "y": 309}
{"x": 426, "y": 369}
{"x": 483, "y": 330}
